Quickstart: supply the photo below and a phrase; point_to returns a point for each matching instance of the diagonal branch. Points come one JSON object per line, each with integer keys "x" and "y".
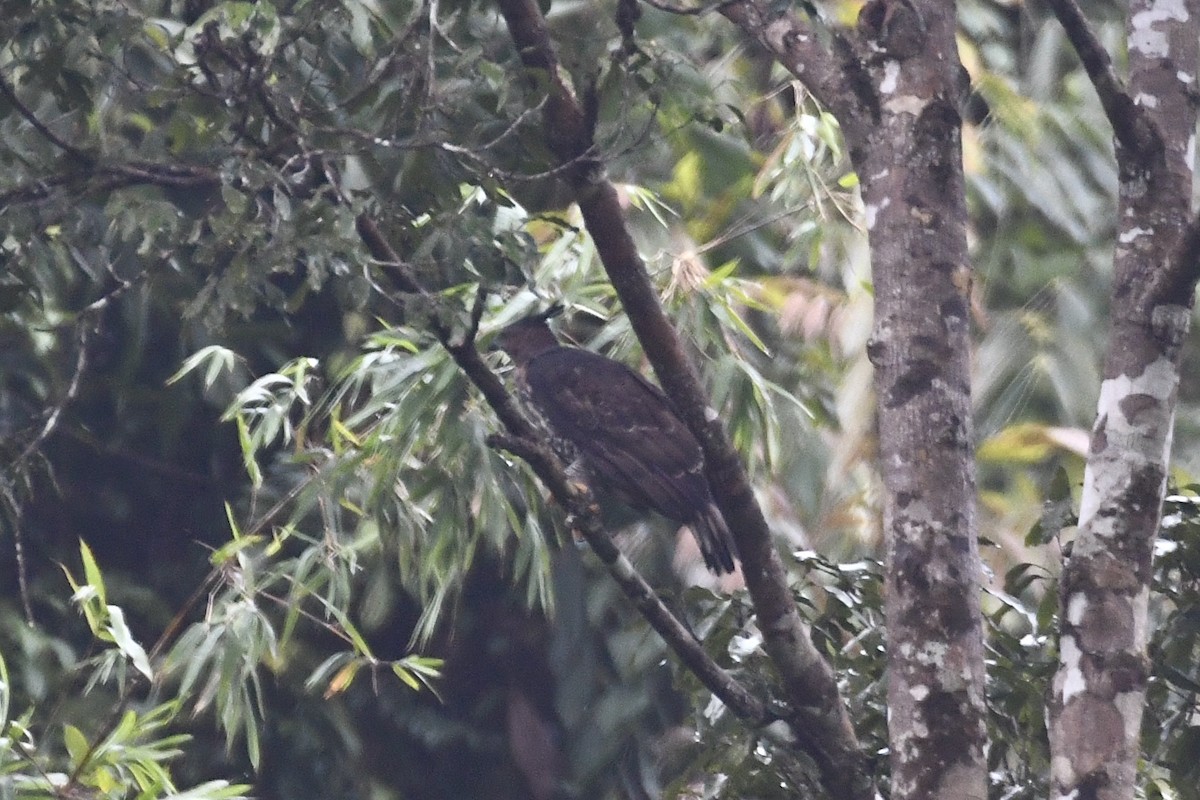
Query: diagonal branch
{"x": 10, "y": 94}
{"x": 87, "y": 325}
{"x": 586, "y": 518}
{"x": 836, "y": 75}
{"x": 1131, "y": 127}
{"x": 819, "y": 715}
{"x": 524, "y": 440}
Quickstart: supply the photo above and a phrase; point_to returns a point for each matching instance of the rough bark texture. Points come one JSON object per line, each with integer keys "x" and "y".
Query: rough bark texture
{"x": 1099, "y": 690}
{"x": 894, "y": 85}
{"x": 912, "y": 184}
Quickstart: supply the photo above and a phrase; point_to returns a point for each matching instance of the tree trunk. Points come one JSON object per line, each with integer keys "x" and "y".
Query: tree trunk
{"x": 912, "y": 186}
{"x": 1099, "y": 689}
{"x": 894, "y": 85}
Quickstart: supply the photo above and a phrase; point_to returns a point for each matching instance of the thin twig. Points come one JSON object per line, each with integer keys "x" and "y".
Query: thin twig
{"x": 114, "y": 176}
{"x": 10, "y": 94}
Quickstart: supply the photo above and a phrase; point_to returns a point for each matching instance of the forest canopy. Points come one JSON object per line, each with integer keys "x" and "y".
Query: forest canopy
{"x": 273, "y": 523}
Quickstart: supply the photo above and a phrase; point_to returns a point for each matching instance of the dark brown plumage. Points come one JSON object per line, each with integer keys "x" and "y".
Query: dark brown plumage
{"x": 622, "y": 429}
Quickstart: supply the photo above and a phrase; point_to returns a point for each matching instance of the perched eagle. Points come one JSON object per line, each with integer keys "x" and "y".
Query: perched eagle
{"x": 621, "y": 429}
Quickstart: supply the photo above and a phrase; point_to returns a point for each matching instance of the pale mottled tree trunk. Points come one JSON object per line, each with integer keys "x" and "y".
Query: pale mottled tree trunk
{"x": 1099, "y": 690}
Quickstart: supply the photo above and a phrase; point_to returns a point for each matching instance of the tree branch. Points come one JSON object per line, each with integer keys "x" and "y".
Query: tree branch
{"x": 526, "y": 441}
{"x": 685, "y": 11}
{"x": 808, "y": 680}
{"x": 109, "y": 178}
{"x": 586, "y": 519}
{"x": 86, "y": 326}
{"x": 10, "y": 94}
{"x": 837, "y": 79}
{"x": 1131, "y": 127}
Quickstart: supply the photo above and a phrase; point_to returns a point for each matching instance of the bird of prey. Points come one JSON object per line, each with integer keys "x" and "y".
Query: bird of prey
{"x": 621, "y": 429}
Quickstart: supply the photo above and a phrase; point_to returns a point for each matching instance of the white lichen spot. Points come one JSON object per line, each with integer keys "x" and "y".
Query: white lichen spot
{"x": 1130, "y": 443}
{"x": 1133, "y": 233}
{"x": 873, "y": 210}
{"x": 1073, "y": 682}
{"x": 1143, "y": 36}
{"x": 1141, "y": 604}
{"x": 932, "y": 654}
{"x": 905, "y": 104}
{"x": 1076, "y": 608}
{"x": 919, "y": 692}
{"x": 711, "y": 414}
{"x": 891, "y": 75}
{"x": 1149, "y": 42}
{"x": 1184, "y": 77}
{"x": 1147, "y": 100}
{"x": 1129, "y": 706}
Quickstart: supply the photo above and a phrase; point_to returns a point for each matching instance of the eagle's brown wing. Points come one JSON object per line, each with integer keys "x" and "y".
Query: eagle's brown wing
{"x": 623, "y": 428}
{"x": 630, "y": 439}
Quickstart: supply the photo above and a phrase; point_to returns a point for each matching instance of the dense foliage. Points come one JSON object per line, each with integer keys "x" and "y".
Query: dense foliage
{"x": 254, "y": 538}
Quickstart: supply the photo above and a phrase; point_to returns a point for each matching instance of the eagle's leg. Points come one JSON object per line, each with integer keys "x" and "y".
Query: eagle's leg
{"x": 577, "y": 477}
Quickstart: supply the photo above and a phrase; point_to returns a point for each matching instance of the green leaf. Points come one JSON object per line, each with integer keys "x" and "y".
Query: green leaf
{"x": 219, "y": 359}
{"x": 5, "y": 695}
{"x": 91, "y": 570}
{"x": 76, "y": 744}
{"x": 405, "y": 675}
{"x": 125, "y": 642}
{"x": 253, "y": 746}
{"x": 248, "y": 449}
{"x": 213, "y": 790}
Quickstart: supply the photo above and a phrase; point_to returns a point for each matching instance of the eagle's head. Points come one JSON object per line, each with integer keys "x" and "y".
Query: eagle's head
{"x": 528, "y": 337}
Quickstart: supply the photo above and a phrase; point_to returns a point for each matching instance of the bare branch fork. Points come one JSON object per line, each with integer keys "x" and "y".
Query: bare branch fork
{"x": 807, "y": 679}
{"x": 1131, "y": 126}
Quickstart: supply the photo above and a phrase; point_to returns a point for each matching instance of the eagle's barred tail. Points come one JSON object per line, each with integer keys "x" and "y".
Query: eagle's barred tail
{"x": 716, "y": 543}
